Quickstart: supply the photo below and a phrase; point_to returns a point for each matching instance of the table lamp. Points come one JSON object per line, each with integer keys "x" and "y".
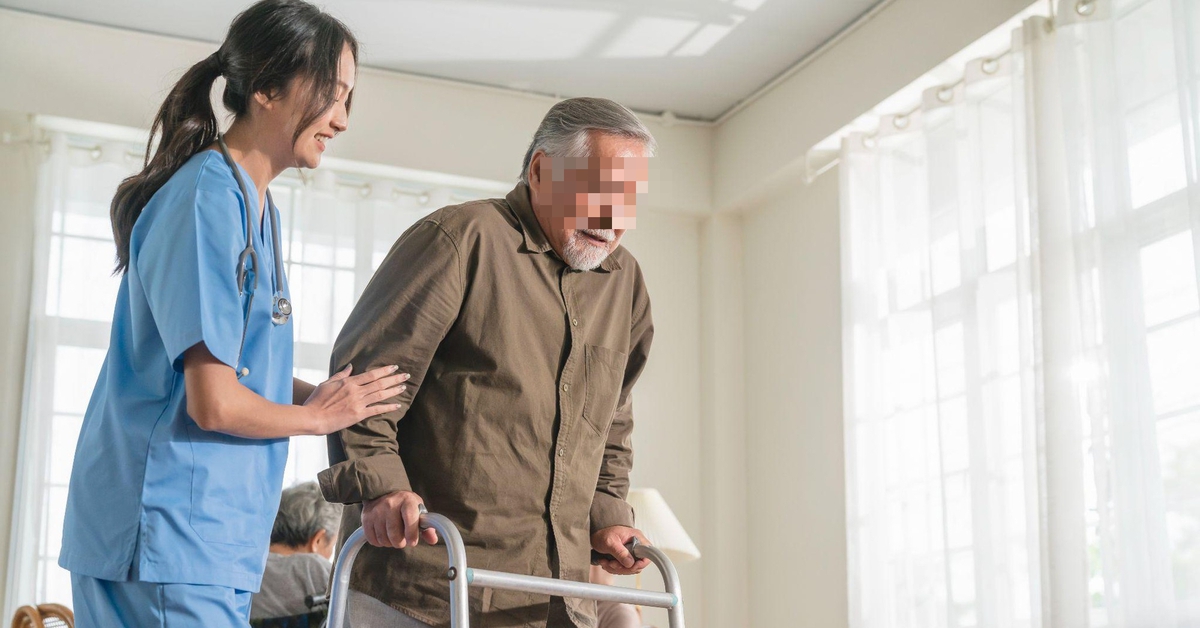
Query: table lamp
{"x": 654, "y": 518}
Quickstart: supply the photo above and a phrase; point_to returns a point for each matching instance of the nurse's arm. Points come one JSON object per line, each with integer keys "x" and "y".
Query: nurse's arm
{"x": 218, "y": 402}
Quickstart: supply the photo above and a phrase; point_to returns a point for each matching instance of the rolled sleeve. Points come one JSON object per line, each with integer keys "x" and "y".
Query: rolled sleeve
{"x": 362, "y": 479}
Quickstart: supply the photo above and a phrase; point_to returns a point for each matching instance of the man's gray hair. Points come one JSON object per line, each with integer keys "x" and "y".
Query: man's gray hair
{"x": 302, "y": 513}
{"x": 564, "y": 132}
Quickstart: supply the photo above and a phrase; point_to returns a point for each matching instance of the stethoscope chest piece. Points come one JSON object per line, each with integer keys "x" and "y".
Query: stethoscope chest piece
{"x": 281, "y": 310}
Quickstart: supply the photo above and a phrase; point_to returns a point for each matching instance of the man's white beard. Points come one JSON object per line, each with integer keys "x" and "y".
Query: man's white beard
{"x": 581, "y": 254}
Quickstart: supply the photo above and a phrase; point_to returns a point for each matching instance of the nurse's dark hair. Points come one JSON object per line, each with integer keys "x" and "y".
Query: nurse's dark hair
{"x": 268, "y": 45}
{"x": 302, "y": 513}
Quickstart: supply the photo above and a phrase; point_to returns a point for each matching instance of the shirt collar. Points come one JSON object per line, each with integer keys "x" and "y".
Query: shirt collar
{"x": 535, "y": 238}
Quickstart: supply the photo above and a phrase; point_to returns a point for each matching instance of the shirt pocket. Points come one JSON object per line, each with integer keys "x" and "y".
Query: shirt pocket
{"x": 229, "y": 496}
{"x": 604, "y": 373}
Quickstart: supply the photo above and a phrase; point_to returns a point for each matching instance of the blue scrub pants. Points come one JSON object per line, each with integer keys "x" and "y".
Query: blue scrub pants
{"x": 109, "y": 604}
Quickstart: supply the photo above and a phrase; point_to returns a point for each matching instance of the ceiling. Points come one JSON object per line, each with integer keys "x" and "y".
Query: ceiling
{"x": 694, "y": 58}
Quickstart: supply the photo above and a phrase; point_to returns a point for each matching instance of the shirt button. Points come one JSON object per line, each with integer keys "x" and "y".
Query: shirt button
{"x": 566, "y": 387}
{"x": 575, "y": 322}
{"x": 562, "y": 451}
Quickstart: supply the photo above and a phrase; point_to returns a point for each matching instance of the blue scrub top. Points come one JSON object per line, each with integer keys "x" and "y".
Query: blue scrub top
{"x": 153, "y": 497}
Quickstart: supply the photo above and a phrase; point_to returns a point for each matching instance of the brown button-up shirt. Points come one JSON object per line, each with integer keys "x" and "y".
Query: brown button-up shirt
{"x": 516, "y": 422}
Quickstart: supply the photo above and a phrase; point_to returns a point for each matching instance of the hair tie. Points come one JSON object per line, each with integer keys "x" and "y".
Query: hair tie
{"x": 218, "y": 61}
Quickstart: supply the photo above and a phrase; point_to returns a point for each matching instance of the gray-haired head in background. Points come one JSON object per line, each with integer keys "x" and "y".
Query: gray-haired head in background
{"x": 302, "y": 513}
{"x": 564, "y": 131}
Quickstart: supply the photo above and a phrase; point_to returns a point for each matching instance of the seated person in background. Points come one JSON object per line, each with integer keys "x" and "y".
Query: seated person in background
{"x": 302, "y": 543}
{"x": 613, "y": 614}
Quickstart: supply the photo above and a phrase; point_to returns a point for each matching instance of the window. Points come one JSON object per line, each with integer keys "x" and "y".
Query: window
{"x": 1022, "y": 332}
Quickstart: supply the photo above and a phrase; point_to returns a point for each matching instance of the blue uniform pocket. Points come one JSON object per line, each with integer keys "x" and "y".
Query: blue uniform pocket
{"x": 229, "y": 499}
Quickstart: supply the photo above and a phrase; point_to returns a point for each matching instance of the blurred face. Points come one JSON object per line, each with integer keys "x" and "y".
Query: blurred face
{"x": 586, "y": 204}
{"x": 283, "y": 113}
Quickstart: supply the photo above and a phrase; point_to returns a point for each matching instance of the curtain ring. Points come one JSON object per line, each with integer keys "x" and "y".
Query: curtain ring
{"x": 900, "y": 121}
{"x": 945, "y": 94}
{"x": 989, "y": 66}
{"x": 1085, "y": 7}
{"x": 868, "y": 141}
{"x": 365, "y": 190}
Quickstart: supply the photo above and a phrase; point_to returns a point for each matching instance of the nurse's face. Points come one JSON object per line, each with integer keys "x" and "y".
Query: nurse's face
{"x": 313, "y": 139}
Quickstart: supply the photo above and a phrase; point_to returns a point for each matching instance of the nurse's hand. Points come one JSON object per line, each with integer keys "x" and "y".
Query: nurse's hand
{"x": 393, "y": 520}
{"x": 218, "y": 402}
{"x": 345, "y": 399}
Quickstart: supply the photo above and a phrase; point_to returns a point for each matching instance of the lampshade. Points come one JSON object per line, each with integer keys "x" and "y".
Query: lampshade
{"x": 658, "y": 523}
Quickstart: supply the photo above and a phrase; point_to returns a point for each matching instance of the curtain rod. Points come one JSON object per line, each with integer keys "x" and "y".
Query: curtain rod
{"x": 811, "y": 175}
{"x": 1082, "y": 7}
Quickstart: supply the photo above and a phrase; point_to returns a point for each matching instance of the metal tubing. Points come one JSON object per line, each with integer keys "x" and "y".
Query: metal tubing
{"x": 670, "y": 579}
{"x": 455, "y": 573}
{"x": 568, "y": 588}
{"x": 341, "y": 578}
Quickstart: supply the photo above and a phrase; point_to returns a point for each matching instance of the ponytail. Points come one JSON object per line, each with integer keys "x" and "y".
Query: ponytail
{"x": 187, "y": 124}
{"x": 269, "y": 45}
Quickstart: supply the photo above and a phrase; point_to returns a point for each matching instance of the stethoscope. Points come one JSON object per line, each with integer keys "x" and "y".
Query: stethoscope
{"x": 247, "y": 271}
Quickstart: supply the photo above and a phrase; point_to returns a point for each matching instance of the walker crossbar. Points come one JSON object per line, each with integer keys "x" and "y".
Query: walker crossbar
{"x": 460, "y": 577}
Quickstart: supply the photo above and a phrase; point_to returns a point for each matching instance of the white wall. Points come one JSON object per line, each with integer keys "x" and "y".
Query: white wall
{"x": 794, "y": 409}
{"x": 62, "y": 68}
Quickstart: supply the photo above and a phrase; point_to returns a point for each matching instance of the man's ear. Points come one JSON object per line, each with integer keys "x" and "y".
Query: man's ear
{"x": 535, "y": 167}
{"x": 316, "y": 541}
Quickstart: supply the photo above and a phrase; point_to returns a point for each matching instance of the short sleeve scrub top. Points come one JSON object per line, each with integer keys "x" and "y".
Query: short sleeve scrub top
{"x": 153, "y": 498}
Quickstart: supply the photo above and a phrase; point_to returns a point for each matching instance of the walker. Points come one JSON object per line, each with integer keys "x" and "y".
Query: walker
{"x": 460, "y": 576}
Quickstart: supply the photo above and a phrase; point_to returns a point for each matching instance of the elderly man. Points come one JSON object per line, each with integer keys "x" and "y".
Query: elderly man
{"x": 524, "y": 326}
{"x": 302, "y": 542}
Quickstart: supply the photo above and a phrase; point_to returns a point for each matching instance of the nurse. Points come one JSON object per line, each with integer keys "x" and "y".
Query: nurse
{"x": 180, "y": 460}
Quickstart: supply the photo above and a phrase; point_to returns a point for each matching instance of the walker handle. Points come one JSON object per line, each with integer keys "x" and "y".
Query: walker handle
{"x": 598, "y": 556}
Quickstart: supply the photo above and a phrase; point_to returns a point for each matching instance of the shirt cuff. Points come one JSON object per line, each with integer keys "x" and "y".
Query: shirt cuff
{"x": 363, "y": 479}
{"x": 610, "y": 511}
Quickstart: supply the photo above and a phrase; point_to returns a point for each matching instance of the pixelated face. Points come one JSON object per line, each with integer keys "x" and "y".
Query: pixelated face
{"x": 585, "y": 204}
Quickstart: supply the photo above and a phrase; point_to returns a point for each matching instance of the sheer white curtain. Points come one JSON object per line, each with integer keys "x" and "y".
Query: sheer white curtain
{"x": 1022, "y": 334}
{"x": 337, "y": 224}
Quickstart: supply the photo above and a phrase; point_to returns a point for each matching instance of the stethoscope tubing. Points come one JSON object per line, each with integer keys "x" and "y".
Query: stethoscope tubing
{"x": 281, "y": 308}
